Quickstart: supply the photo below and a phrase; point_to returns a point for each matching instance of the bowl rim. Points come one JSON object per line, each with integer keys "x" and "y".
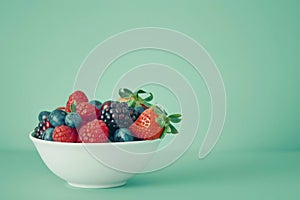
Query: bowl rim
{"x": 33, "y": 139}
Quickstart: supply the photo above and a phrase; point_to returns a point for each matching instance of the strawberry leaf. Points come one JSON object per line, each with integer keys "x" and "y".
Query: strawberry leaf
{"x": 165, "y": 112}
{"x": 149, "y": 98}
{"x": 173, "y": 130}
{"x": 125, "y": 93}
{"x": 175, "y": 115}
{"x": 175, "y": 118}
{"x": 140, "y": 92}
{"x": 73, "y": 107}
{"x": 159, "y": 111}
{"x": 131, "y": 102}
{"x": 166, "y": 130}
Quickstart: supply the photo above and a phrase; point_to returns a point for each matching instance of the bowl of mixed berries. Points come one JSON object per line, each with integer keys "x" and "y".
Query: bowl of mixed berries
{"x": 68, "y": 138}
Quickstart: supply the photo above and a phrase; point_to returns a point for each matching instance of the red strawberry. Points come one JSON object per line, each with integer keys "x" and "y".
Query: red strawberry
{"x": 78, "y": 97}
{"x": 87, "y": 111}
{"x": 64, "y": 134}
{"x": 152, "y": 123}
{"x": 61, "y": 108}
{"x": 95, "y": 131}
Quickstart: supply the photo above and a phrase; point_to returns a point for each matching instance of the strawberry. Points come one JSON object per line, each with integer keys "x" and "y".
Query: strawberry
{"x": 153, "y": 123}
{"x": 64, "y": 134}
{"x": 134, "y": 99}
{"x": 87, "y": 111}
{"x": 61, "y": 108}
{"x": 76, "y": 98}
{"x": 95, "y": 131}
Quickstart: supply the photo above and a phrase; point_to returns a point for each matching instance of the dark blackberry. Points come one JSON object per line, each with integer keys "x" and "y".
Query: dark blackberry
{"x": 117, "y": 115}
{"x": 40, "y": 125}
{"x": 40, "y": 129}
{"x": 38, "y": 134}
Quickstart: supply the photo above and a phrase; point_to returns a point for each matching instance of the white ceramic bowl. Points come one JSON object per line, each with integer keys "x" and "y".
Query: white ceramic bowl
{"x": 76, "y": 163}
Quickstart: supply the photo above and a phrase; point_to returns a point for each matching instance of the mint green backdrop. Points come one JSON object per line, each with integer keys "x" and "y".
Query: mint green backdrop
{"x": 255, "y": 45}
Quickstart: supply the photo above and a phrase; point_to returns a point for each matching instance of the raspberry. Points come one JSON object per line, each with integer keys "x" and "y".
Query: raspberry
{"x": 78, "y": 97}
{"x": 64, "y": 134}
{"x": 78, "y": 140}
{"x": 87, "y": 111}
{"x": 95, "y": 131}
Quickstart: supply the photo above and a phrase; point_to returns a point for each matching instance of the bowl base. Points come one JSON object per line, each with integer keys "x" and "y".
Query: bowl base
{"x": 78, "y": 185}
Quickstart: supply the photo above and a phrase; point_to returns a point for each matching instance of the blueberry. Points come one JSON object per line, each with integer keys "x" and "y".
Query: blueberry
{"x": 57, "y": 117}
{"x": 96, "y": 103}
{"x": 43, "y": 115}
{"x": 139, "y": 110}
{"x": 73, "y": 120}
{"x": 123, "y": 135}
{"x": 47, "y": 135}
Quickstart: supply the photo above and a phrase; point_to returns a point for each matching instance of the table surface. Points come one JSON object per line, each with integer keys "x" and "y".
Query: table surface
{"x": 223, "y": 175}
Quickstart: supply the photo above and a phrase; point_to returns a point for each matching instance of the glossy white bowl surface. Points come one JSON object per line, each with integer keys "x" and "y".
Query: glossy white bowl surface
{"x": 74, "y": 163}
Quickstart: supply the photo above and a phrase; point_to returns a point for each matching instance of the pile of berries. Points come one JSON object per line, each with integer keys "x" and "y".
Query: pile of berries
{"x": 131, "y": 118}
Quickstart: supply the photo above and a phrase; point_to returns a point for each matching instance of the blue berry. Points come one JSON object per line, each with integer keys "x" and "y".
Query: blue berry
{"x": 96, "y": 103}
{"x": 123, "y": 135}
{"x": 47, "y": 135}
{"x": 73, "y": 120}
{"x": 57, "y": 117}
{"x": 43, "y": 115}
{"x": 139, "y": 110}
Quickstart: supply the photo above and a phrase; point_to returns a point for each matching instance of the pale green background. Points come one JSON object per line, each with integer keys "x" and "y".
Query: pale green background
{"x": 255, "y": 45}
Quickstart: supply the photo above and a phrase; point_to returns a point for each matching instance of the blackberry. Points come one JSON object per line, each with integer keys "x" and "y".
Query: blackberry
{"x": 41, "y": 128}
{"x": 117, "y": 115}
{"x": 38, "y": 133}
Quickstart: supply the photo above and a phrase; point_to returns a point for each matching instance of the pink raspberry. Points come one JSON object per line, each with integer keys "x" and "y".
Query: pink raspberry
{"x": 95, "y": 131}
